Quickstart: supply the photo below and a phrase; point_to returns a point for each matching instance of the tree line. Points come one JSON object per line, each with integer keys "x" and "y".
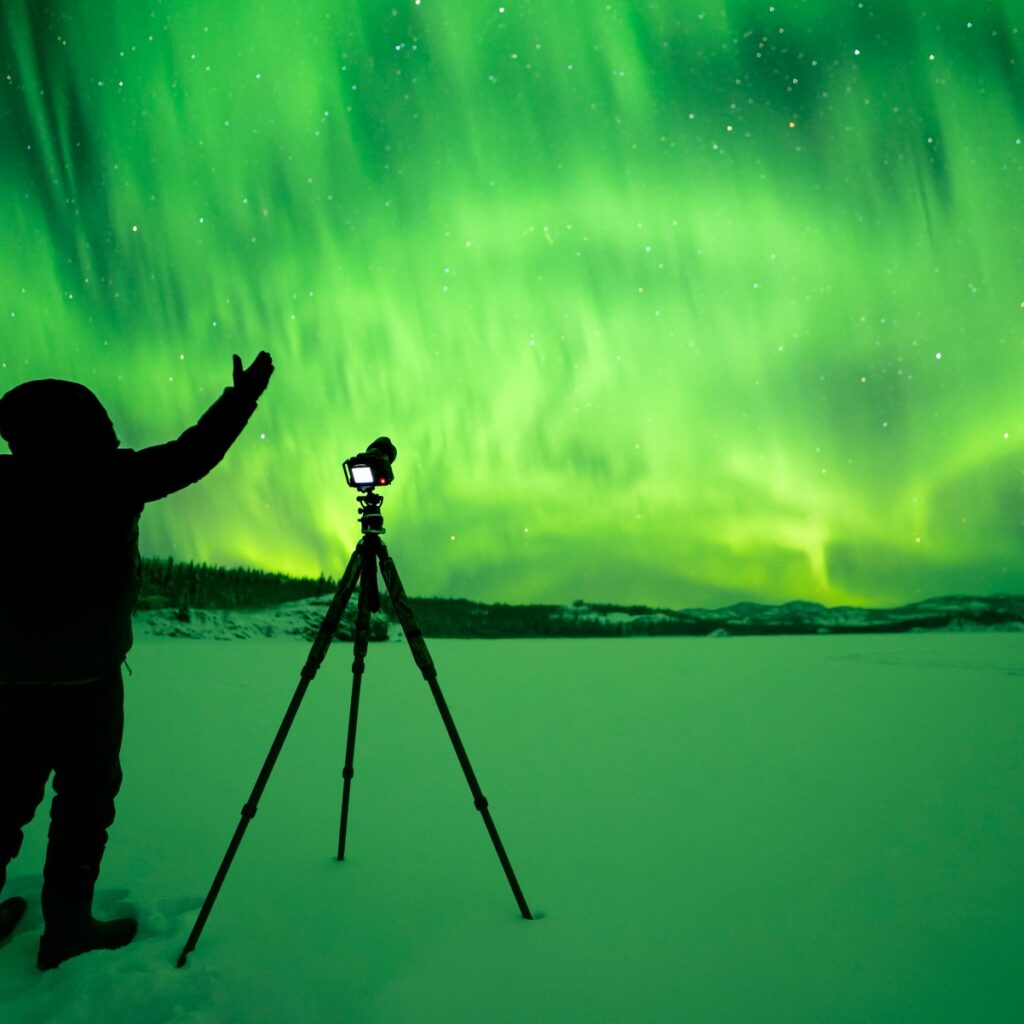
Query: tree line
{"x": 167, "y": 583}
{"x": 184, "y": 586}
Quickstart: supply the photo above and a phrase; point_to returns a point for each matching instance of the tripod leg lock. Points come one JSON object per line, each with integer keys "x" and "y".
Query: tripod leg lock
{"x": 480, "y": 803}
{"x": 347, "y": 772}
{"x": 249, "y": 811}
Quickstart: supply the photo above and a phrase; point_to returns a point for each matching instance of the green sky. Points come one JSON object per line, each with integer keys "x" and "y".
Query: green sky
{"x": 676, "y": 303}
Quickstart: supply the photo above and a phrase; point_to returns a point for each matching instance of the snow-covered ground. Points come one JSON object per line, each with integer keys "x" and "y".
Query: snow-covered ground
{"x": 798, "y": 829}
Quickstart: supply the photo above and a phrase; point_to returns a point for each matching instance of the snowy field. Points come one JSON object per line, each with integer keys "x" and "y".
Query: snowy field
{"x": 813, "y": 829}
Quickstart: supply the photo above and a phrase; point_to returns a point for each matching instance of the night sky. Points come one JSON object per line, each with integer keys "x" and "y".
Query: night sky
{"x": 674, "y": 303}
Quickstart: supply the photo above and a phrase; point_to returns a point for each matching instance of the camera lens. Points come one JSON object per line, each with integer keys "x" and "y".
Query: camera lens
{"x": 384, "y": 446}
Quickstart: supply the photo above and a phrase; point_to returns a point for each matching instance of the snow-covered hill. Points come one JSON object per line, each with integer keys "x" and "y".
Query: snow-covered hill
{"x": 293, "y": 619}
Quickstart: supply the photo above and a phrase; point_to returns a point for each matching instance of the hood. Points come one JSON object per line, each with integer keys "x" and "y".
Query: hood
{"x": 55, "y": 418}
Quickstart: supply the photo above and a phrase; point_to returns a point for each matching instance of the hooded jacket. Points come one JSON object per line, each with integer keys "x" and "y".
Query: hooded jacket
{"x": 70, "y": 502}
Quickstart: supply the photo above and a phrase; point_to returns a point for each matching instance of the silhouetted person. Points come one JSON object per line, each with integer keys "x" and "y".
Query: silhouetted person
{"x": 70, "y": 501}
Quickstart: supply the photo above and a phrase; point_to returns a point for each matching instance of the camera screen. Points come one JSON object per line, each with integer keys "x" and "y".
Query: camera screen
{"x": 362, "y": 475}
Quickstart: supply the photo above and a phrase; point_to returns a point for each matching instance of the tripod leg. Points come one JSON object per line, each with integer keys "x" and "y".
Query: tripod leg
{"x": 414, "y": 635}
{"x": 323, "y": 639}
{"x": 368, "y": 597}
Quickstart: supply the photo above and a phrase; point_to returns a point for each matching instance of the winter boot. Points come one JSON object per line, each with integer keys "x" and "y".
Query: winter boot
{"x": 10, "y": 914}
{"x": 72, "y": 930}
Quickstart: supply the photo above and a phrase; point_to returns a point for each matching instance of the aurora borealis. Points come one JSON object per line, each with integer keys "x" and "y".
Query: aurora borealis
{"x": 675, "y": 303}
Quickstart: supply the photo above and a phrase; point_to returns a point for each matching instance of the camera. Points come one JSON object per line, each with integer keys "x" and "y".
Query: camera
{"x": 372, "y": 468}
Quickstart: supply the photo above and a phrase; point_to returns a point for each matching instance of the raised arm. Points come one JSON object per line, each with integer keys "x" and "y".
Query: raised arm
{"x": 166, "y": 468}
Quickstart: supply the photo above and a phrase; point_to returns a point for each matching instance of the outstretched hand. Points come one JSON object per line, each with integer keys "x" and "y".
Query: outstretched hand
{"x": 252, "y": 382}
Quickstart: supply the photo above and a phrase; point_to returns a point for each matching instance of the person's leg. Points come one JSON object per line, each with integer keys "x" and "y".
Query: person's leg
{"x": 24, "y": 765}
{"x": 24, "y": 769}
{"x": 88, "y": 726}
{"x": 11, "y": 912}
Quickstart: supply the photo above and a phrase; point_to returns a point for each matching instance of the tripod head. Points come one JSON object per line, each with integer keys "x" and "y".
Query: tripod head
{"x": 371, "y": 519}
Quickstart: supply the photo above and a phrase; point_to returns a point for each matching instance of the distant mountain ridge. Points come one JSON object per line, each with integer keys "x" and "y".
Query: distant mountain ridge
{"x": 186, "y": 599}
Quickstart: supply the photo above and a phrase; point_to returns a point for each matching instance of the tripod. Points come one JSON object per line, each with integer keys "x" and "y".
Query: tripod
{"x": 369, "y": 554}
